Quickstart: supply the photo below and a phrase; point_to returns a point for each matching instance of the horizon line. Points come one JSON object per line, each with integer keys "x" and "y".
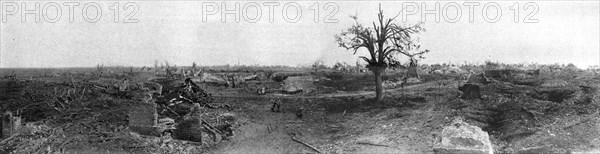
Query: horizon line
{"x": 293, "y": 66}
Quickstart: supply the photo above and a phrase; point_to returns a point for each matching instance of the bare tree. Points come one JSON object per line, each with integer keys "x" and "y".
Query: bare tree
{"x": 99, "y": 69}
{"x": 167, "y": 66}
{"x": 381, "y": 40}
{"x": 194, "y": 68}
{"x": 156, "y": 63}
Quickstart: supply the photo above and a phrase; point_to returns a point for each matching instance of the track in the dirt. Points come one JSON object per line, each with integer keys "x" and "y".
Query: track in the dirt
{"x": 335, "y": 95}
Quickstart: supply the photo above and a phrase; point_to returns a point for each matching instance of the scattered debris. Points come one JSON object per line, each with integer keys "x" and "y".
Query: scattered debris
{"x": 166, "y": 126}
{"x": 217, "y": 137}
{"x": 209, "y": 78}
{"x": 153, "y": 87}
{"x": 548, "y": 114}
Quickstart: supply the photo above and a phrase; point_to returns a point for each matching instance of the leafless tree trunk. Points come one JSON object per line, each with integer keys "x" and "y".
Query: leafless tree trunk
{"x": 378, "y": 72}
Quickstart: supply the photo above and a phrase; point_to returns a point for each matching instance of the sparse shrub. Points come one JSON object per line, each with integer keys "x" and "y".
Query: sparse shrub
{"x": 491, "y": 65}
{"x": 318, "y": 65}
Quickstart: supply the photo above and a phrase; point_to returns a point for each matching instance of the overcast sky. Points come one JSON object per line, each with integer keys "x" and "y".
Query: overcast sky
{"x": 565, "y": 32}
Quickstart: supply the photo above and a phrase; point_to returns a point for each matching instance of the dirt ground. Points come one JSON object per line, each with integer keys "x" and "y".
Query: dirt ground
{"x": 521, "y": 116}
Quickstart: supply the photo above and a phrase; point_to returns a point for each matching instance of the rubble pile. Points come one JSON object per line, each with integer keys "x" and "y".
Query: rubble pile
{"x": 117, "y": 111}
{"x": 180, "y": 111}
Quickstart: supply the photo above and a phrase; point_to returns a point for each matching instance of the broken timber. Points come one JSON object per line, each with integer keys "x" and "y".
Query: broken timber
{"x": 306, "y": 144}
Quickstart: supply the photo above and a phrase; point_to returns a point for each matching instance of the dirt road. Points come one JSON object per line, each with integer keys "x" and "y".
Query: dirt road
{"x": 346, "y": 94}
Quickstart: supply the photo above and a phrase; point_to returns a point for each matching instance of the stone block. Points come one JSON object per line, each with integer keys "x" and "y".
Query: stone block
{"x": 463, "y": 138}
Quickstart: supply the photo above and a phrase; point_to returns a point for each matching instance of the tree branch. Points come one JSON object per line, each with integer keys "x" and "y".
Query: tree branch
{"x": 381, "y": 40}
